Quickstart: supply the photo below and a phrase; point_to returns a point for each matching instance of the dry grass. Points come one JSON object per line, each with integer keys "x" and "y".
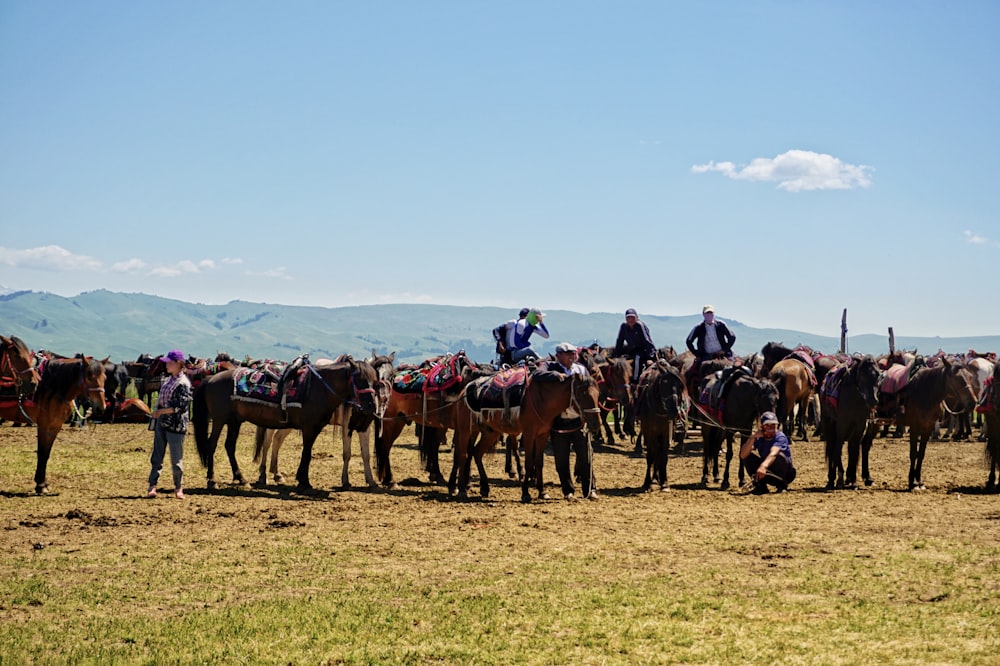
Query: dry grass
{"x": 97, "y": 573}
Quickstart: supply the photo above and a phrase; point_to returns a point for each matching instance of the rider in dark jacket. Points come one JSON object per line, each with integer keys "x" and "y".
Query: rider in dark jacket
{"x": 634, "y": 342}
{"x": 711, "y": 338}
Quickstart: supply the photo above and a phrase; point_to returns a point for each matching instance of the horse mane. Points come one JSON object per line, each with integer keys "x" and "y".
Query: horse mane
{"x": 61, "y": 376}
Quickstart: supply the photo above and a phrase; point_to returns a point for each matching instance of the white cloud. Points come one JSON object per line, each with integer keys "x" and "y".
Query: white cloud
{"x": 976, "y": 239}
{"x": 796, "y": 171}
{"x": 48, "y": 258}
{"x": 231, "y": 261}
{"x": 280, "y": 273}
{"x": 60, "y": 260}
{"x": 403, "y": 297}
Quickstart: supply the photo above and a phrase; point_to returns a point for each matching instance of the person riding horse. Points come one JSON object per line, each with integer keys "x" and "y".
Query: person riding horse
{"x": 514, "y": 342}
{"x": 501, "y": 333}
{"x": 709, "y": 339}
{"x": 634, "y": 342}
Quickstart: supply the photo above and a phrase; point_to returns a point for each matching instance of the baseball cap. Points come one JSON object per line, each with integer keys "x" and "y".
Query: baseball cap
{"x": 537, "y": 312}
{"x": 174, "y": 355}
{"x": 631, "y": 313}
{"x": 707, "y": 309}
{"x": 768, "y": 417}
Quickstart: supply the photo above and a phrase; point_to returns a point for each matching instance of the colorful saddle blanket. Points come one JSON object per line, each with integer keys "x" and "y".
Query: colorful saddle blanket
{"x": 829, "y": 392}
{"x": 431, "y": 376}
{"x": 986, "y": 401}
{"x": 504, "y": 390}
{"x": 261, "y": 383}
{"x": 803, "y": 356}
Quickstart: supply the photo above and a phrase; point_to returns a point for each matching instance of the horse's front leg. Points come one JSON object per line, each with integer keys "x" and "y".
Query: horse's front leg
{"x": 916, "y": 459}
{"x": 279, "y": 438}
{"x": 345, "y": 442}
{"x": 866, "y": 447}
{"x": 302, "y": 475}
{"x": 364, "y": 439}
{"x": 729, "y": 460}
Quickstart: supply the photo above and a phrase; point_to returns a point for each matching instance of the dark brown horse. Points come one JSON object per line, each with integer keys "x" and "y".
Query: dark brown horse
{"x": 347, "y": 417}
{"x": 542, "y": 403}
{"x": 743, "y": 401}
{"x": 18, "y": 380}
{"x": 921, "y": 408}
{"x": 147, "y": 372}
{"x": 989, "y": 407}
{"x": 329, "y": 386}
{"x": 848, "y": 398}
{"x": 661, "y": 399}
{"x": 63, "y": 381}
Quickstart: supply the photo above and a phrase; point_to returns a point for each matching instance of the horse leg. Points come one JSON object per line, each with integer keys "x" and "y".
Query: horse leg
{"x": 309, "y": 436}
{"x": 729, "y": 460}
{"x": 46, "y": 437}
{"x": 662, "y": 457}
{"x": 866, "y": 447}
{"x": 345, "y": 441}
{"x": 279, "y": 438}
{"x": 853, "y": 452}
{"x": 513, "y": 459}
{"x": 264, "y": 438}
{"x": 213, "y": 443}
{"x": 918, "y": 445}
{"x": 803, "y": 409}
{"x": 485, "y": 444}
{"x": 232, "y": 433}
{"x": 364, "y": 438}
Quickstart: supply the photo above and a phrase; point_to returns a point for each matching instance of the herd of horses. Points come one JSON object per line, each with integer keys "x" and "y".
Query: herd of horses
{"x": 848, "y": 399}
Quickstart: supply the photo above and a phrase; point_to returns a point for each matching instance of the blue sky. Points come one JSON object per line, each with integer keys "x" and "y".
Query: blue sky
{"x": 780, "y": 160}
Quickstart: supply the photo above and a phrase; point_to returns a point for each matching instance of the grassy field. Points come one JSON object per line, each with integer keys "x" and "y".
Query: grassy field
{"x": 96, "y": 573}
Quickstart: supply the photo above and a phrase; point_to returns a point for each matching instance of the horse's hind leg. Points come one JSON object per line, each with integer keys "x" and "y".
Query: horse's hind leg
{"x": 345, "y": 441}
{"x": 279, "y": 438}
{"x": 866, "y": 447}
{"x": 265, "y": 445}
{"x": 231, "y": 436}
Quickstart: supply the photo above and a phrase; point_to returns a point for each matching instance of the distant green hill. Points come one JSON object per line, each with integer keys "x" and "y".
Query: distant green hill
{"x": 122, "y": 326}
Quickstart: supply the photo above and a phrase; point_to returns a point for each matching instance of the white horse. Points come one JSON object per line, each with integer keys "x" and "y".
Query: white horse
{"x": 346, "y": 416}
{"x": 981, "y": 369}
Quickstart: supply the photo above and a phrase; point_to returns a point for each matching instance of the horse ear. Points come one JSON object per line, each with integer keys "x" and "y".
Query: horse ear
{"x": 106, "y": 359}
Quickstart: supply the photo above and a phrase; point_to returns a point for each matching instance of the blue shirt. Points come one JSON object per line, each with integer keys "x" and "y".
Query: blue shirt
{"x": 518, "y": 336}
{"x": 763, "y": 446}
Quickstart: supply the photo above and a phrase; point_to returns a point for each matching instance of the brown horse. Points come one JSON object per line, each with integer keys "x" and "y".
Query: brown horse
{"x": 147, "y": 372}
{"x": 542, "y": 403}
{"x": 63, "y": 381}
{"x": 18, "y": 380}
{"x": 989, "y": 407}
{"x": 661, "y": 399}
{"x": 921, "y": 408}
{"x": 795, "y": 382}
{"x": 330, "y": 386}
{"x": 432, "y": 409}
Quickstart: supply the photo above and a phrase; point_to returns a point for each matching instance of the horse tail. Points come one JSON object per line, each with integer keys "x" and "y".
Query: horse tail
{"x": 199, "y": 421}
{"x": 258, "y": 446}
{"x": 381, "y": 454}
{"x": 780, "y": 380}
{"x": 427, "y": 442}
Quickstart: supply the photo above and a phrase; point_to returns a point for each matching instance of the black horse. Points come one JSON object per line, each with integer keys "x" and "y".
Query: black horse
{"x": 848, "y": 398}
{"x": 989, "y": 406}
{"x": 660, "y": 401}
{"x": 744, "y": 400}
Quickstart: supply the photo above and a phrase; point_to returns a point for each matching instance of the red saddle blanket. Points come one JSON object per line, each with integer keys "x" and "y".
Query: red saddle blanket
{"x": 986, "y": 401}
{"x": 503, "y": 390}
{"x": 430, "y": 377}
{"x": 895, "y": 379}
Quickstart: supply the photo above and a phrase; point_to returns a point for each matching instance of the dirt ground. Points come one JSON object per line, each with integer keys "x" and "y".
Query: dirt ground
{"x": 97, "y": 525}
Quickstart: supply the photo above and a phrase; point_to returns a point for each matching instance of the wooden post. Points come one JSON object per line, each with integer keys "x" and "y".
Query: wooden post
{"x": 892, "y": 342}
{"x": 843, "y": 332}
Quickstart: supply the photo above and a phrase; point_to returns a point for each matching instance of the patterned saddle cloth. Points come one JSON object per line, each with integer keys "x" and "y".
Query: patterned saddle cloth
{"x": 986, "y": 398}
{"x": 261, "y": 384}
{"x": 432, "y": 376}
{"x": 504, "y": 390}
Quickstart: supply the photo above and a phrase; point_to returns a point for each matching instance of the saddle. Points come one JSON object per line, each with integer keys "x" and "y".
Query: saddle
{"x": 714, "y": 392}
{"x": 829, "y": 392}
{"x": 261, "y": 384}
{"x": 433, "y": 376}
{"x": 986, "y": 398}
{"x": 504, "y": 390}
{"x": 895, "y": 379}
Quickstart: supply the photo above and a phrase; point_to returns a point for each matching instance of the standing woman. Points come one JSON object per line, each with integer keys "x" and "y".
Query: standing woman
{"x": 170, "y": 419}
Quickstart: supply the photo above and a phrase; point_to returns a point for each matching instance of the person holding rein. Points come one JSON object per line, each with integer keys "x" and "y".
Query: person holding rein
{"x": 767, "y": 455}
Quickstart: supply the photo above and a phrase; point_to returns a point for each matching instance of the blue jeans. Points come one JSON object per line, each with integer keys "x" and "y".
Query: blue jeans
{"x": 161, "y": 439}
{"x": 518, "y": 355}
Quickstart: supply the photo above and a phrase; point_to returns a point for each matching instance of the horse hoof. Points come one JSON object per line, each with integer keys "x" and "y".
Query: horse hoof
{"x": 260, "y": 483}
{"x": 869, "y": 482}
{"x": 544, "y": 496}
{"x": 212, "y": 485}
{"x": 42, "y": 489}
{"x": 525, "y": 499}
{"x": 664, "y": 489}
{"x": 724, "y": 486}
{"x": 830, "y": 487}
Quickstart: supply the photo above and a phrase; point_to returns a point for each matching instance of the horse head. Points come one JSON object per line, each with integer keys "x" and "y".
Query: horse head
{"x": 586, "y": 396}
{"x": 959, "y": 386}
{"x": 18, "y": 362}
{"x": 666, "y": 390}
{"x": 767, "y": 395}
{"x": 864, "y": 372}
{"x": 363, "y": 383}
